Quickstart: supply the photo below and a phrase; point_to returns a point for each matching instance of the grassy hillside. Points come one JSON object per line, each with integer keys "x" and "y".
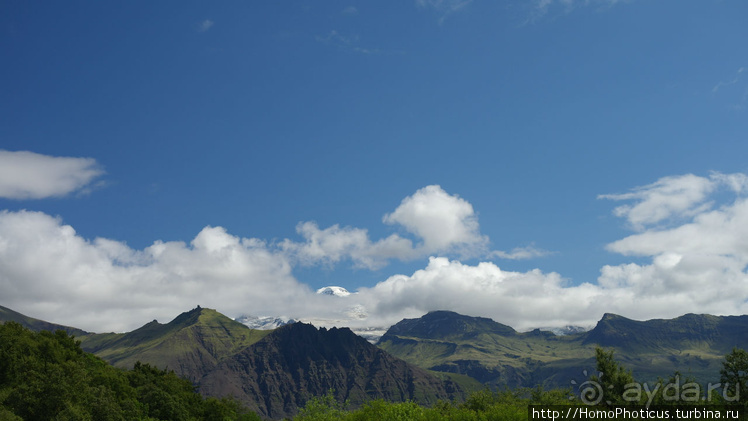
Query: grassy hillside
{"x": 495, "y": 354}
{"x": 191, "y": 344}
{"x": 8, "y": 315}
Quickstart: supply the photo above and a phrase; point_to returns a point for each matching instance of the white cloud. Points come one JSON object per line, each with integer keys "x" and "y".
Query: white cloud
{"x": 673, "y": 197}
{"x": 736, "y": 79}
{"x": 333, "y": 244}
{"x": 443, "y": 7}
{"x": 49, "y": 272}
{"x": 520, "y": 299}
{"x": 350, "y": 10}
{"x": 346, "y": 43}
{"x": 697, "y": 264}
{"x": 542, "y": 8}
{"x": 735, "y": 89}
{"x": 445, "y": 222}
{"x": 205, "y": 25}
{"x": 441, "y": 224}
{"x": 700, "y": 262}
{"x": 29, "y": 175}
{"x": 520, "y": 253}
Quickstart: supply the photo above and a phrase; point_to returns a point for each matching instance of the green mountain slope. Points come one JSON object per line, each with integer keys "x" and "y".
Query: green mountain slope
{"x": 497, "y": 355}
{"x": 272, "y": 372}
{"x": 36, "y": 325}
{"x": 192, "y": 344}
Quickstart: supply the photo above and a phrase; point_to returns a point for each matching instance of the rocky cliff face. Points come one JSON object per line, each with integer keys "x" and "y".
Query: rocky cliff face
{"x": 272, "y": 372}
{"x": 281, "y": 372}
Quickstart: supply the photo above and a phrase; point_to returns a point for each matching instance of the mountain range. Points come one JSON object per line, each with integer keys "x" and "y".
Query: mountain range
{"x": 497, "y": 355}
{"x": 441, "y": 355}
{"x": 272, "y": 372}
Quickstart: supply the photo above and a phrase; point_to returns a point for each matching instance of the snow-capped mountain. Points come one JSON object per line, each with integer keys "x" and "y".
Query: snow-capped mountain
{"x": 566, "y": 330}
{"x": 264, "y": 322}
{"x": 334, "y": 290}
{"x": 355, "y": 312}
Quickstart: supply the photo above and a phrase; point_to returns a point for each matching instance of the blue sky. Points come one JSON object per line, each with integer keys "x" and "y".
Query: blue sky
{"x": 571, "y": 131}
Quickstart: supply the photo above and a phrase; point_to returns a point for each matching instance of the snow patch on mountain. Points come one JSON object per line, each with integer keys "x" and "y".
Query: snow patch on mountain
{"x": 566, "y": 330}
{"x": 334, "y": 290}
{"x": 263, "y": 322}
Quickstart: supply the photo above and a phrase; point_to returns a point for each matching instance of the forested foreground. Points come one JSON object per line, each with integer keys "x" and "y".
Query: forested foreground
{"x": 480, "y": 406}
{"x": 46, "y": 376}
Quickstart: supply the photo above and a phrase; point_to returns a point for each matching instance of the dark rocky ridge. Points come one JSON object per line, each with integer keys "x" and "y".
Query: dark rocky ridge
{"x": 281, "y": 372}
{"x": 447, "y": 324}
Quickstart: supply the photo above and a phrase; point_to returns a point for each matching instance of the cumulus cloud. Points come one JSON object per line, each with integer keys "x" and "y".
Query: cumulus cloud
{"x": 440, "y": 223}
{"x": 692, "y": 258}
{"x": 443, "y": 221}
{"x": 520, "y": 299}
{"x": 29, "y": 175}
{"x": 332, "y": 244}
{"x": 685, "y": 275}
{"x": 48, "y": 271}
{"x": 695, "y": 238}
{"x": 698, "y": 262}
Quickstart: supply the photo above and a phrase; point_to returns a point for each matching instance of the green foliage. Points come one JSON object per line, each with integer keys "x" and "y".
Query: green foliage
{"x": 734, "y": 375}
{"x": 322, "y": 408}
{"x": 46, "y": 376}
{"x": 483, "y": 405}
{"x": 613, "y": 379}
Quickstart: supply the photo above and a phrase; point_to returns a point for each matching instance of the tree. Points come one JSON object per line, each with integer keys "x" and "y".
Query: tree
{"x": 612, "y": 380}
{"x": 734, "y": 376}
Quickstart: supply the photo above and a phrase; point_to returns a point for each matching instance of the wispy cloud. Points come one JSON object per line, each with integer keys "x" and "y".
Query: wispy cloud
{"x": 673, "y": 197}
{"x": 544, "y": 7}
{"x": 735, "y": 85}
{"x": 520, "y": 253}
{"x": 205, "y": 25}
{"x": 350, "y": 10}
{"x": 733, "y": 81}
{"x": 29, "y": 175}
{"x": 444, "y": 8}
{"x": 347, "y": 43}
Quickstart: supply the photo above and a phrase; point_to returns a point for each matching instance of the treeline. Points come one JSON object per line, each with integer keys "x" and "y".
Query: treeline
{"x": 47, "y": 376}
{"x": 612, "y": 386}
{"x": 483, "y": 405}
